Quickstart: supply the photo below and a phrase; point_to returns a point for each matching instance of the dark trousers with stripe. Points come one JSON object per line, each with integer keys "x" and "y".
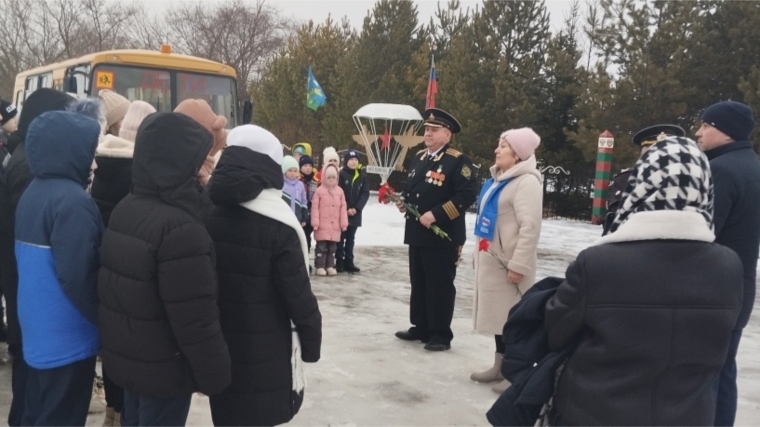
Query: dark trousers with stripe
{"x": 432, "y": 272}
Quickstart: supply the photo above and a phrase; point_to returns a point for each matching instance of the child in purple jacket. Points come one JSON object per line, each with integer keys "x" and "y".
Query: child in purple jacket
{"x": 293, "y": 192}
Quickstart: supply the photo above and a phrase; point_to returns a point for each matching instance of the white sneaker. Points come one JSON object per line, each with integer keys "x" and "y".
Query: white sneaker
{"x": 332, "y": 272}
{"x": 321, "y": 272}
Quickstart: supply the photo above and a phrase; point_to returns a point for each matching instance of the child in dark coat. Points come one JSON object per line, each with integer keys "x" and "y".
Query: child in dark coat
{"x": 353, "y": 181}
{"x": 310, "y": 184}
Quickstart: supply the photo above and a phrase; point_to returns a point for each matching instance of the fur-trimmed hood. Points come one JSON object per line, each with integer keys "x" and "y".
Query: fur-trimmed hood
{"x": 661, "y": 225}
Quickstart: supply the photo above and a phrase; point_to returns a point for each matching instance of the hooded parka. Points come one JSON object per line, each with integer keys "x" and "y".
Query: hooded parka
{"x": 159, "y": 318}
{"x": 16, "y": 177}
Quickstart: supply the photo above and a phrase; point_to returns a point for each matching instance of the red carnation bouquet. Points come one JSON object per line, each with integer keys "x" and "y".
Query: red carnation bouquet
{"x": 483, "y": 246}
{"x": 387, "y": 194}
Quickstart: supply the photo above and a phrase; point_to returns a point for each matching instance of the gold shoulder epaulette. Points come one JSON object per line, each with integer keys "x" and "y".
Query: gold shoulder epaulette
{"x": 453, "y": 152}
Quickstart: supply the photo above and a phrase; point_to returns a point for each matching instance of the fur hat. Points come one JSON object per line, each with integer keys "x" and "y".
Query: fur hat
{"x": 201, "y": 112}
{"x": 92, "y": 108}
{"x": 114, "y": 106}
{"x": 7, "y": 111}
{"x": 256, "y": 139}
{"x": 732, "y": 118}
{"x": 289, "y": 162}
{"x": 330, "y": 154}
{"x": 136, "y": 113}
{"x": 305, "y": 160}
{"x": 523, "y": 141}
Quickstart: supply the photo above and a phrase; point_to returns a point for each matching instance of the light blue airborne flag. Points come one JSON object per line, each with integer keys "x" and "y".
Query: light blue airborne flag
{"x": 315, "y": 97}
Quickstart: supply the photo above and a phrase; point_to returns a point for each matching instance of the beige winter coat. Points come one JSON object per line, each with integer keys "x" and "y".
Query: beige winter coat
{"x": 518, "y": 227}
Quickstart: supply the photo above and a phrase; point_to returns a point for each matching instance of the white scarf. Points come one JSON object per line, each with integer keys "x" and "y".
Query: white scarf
{"x": 270, "y": 204}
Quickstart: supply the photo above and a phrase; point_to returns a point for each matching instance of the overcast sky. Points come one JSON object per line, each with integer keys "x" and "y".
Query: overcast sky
{"x": 356, "y": 10}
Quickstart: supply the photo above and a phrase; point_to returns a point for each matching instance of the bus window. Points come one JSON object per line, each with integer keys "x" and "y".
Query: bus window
{"x": 151, "y": 86}
{"x": 46, "y": 80}
{"x": 219, "y": 92}
{"x": 81, "y": 74}
{"x": 31, "y": 84}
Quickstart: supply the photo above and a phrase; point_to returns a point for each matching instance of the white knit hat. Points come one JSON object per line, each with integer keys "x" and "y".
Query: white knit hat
{"x": 137, "y": 112}
{"x": 257, "y": 139}
{"x": 330, "y": 154}
{"x": 289, "y": 162}
{"x": 523, "y": 141}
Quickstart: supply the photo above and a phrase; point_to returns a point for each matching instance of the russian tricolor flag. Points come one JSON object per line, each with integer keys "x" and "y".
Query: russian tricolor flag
{"x": 432, "y": 86}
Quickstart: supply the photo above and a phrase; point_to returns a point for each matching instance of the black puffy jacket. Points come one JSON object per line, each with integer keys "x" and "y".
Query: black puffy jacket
{"x": 356, "y": 189}
{"x": 654, "y": 309}
{"x": 263, "y": 285}
{"x": 159, "y": 319}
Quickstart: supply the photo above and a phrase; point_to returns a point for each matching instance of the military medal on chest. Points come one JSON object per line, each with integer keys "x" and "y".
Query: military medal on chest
{"x": 436, "y": 177}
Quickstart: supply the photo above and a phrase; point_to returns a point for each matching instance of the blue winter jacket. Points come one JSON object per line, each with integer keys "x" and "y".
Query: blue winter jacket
{"x": 58, "y": 231}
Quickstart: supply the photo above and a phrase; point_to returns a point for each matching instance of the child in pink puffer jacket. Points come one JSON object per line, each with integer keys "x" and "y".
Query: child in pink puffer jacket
{"x": 329, "y": 217}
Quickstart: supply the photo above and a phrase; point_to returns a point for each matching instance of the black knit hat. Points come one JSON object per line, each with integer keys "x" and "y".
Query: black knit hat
{"x": 41, "y": 101}
{"x": 305, "y": 160}
{"x": 732, "y": 118}
{"x": 350, "y": 154}
{"x": 7, "y": 111}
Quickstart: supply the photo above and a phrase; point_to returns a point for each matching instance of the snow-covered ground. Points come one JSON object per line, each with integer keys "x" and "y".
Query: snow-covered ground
{"x": 369, "y": 377}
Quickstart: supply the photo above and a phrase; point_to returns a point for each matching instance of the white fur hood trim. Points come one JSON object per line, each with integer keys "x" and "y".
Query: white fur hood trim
{"x": 661, "y": 225}
{"x": 113, "y": 146}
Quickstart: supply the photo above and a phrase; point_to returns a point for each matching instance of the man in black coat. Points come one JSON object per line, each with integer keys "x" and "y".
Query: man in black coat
{"x": 159, "y": 320}
{"x": 442, "y": 186}
{"x": 725, "y": 138}
{"x": 353, "y": 181}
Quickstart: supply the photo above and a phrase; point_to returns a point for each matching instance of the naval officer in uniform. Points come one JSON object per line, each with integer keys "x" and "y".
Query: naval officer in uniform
{"x": 644, "y": 138}
{"x": 442, "y": 185}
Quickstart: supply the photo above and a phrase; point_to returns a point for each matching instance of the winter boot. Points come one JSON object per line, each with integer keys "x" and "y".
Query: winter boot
{"x": 339, "y": 266}
{"x": 351, "y": 268}
{"x": 110, "y": 417}
{"x": 321, "y": 272}
{"x": 501, "y": 387}
{"x": 491, "y": 374}
{"x": 332, "y": 272}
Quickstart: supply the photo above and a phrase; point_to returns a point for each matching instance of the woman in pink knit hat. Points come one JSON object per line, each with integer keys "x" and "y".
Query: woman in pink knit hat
{"x": 201, "y": 112}
{"x": 508, "y": 226}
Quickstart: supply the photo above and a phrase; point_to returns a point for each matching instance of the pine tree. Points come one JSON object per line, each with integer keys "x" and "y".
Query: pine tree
{"x": 562, "y": 87}
{"x": 377, "y": 69}
{"x": 279, "y": 95}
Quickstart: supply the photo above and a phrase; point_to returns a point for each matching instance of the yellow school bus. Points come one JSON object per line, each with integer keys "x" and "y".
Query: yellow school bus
{"x": 161, "y": 78}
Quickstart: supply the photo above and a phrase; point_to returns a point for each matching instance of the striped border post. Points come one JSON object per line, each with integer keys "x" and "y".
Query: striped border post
{"x": 602, "y": 178}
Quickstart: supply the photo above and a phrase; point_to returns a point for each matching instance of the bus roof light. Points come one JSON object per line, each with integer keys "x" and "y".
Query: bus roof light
{"x": 165, "y": 48}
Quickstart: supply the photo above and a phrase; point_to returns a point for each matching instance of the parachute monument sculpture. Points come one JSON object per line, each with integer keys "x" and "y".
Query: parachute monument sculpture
{"x": 387, "y": 132}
